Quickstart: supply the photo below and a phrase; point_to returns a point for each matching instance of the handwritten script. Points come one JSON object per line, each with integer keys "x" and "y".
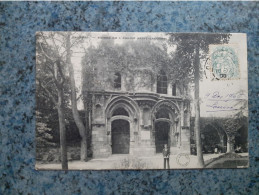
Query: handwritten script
{"x": 217, "y": 102}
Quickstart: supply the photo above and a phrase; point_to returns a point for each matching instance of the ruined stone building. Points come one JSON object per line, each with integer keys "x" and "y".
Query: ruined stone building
{"x": 141, "y": 120}
{"x": 135, "y": 110}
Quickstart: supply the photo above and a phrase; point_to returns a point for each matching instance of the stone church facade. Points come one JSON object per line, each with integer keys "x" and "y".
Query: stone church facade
{"x": 138, "y": 115}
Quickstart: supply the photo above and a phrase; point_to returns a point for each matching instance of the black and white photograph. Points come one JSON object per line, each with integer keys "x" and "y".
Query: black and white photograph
{"x": 131, "y": 100}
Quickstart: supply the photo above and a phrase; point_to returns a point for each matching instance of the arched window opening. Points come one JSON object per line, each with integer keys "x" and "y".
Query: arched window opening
{"x": 174, "y": 89}
{"x": 120, "y": 111}
{"x": 162, "y": 113}
{"x": 162, "y": 83}
{"x": 117, "y": 80}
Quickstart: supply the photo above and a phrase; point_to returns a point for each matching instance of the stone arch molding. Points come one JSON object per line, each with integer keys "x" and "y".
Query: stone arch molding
{"x": 125, "y": 102}
{"x": 171, "y": 106}
{"x": 173, "y": 121}
{"x": 133, "y": 110}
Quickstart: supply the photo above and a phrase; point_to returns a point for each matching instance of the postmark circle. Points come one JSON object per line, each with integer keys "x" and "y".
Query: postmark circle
{"x": 225, "y": 63}
{"x": 183, "y": 159}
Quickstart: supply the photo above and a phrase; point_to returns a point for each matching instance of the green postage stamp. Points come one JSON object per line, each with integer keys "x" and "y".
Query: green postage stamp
{"x": 224, "y": 62}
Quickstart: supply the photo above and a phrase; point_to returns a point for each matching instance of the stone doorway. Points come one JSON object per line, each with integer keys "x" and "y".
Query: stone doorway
{"x": 162, "y": 130}
{"x": 120, "y": 136}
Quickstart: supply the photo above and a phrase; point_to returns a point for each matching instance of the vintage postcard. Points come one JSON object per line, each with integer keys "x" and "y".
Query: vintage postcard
{"x": 109, "y": 100}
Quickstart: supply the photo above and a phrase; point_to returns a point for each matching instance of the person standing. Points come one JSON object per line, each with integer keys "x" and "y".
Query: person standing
{"x": 166, "y": 154}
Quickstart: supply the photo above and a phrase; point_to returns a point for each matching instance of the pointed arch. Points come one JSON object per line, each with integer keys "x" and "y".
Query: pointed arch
{"x": 124, "y": 102}
{"x": 166, "y": 104}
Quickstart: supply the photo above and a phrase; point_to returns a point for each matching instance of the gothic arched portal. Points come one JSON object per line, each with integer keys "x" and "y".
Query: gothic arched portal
{"x": 122, "y": 124}
{"x": 162, "y": 135}
{"x": 165, "y": 125}
{"x": 120, "y": 135}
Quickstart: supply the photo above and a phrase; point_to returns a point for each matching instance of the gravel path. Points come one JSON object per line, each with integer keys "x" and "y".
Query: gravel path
{"x": 118, "y": 162}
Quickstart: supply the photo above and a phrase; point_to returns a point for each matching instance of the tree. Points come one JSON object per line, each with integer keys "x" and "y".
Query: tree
{"x": 129, "y": 58}
{"x": 77, "y": 118}
{"x": 231, "y": 125}
{"x": 44, "y": 135}
{"x": 61, "y": 44}
{"x": 236, "y": 121}
{"x": 50, "y": 79}
{"x": 191, "y": 48}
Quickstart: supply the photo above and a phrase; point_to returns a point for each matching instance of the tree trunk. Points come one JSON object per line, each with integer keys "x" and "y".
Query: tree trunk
{"x": 62, "y": 130}
{"x": 76, "y": 116}
{"x": 83, "y": 151}
{"x": 200, "y": 161}
{"x": 88, "y": 108}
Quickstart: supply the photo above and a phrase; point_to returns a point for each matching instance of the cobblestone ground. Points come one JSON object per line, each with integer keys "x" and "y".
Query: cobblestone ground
{"x": 181, "y": 161}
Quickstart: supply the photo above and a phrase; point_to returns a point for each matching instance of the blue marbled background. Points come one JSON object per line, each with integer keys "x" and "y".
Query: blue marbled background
{"x": 18, "y": 23}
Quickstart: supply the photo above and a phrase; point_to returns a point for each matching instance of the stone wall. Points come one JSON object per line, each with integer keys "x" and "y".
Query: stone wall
{"x": 141, "y": 113}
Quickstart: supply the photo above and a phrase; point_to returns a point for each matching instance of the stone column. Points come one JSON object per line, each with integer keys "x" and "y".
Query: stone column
{"x": 181, "y": 123}
{"x": 99, "y": 141}
{"x": 132, "y": 137}
{"x": 230, "y": 144}
{"x": 169, "y": 89}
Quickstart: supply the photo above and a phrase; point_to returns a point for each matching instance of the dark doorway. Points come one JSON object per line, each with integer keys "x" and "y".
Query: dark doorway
{"x": 210, "y": 140}
{"x": 120, "y": 137}
{"x": 213, "y": 138}
{"x": 162, "y": 130}
{"x": 120, "y": 111}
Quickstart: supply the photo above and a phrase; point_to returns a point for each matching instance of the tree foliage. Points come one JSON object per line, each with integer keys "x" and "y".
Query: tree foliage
{"x": 129, "y": 58}
{"x": 51, "y": 80}
{"x": 186, "y": 45}
{"x": 44, "y": 135}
